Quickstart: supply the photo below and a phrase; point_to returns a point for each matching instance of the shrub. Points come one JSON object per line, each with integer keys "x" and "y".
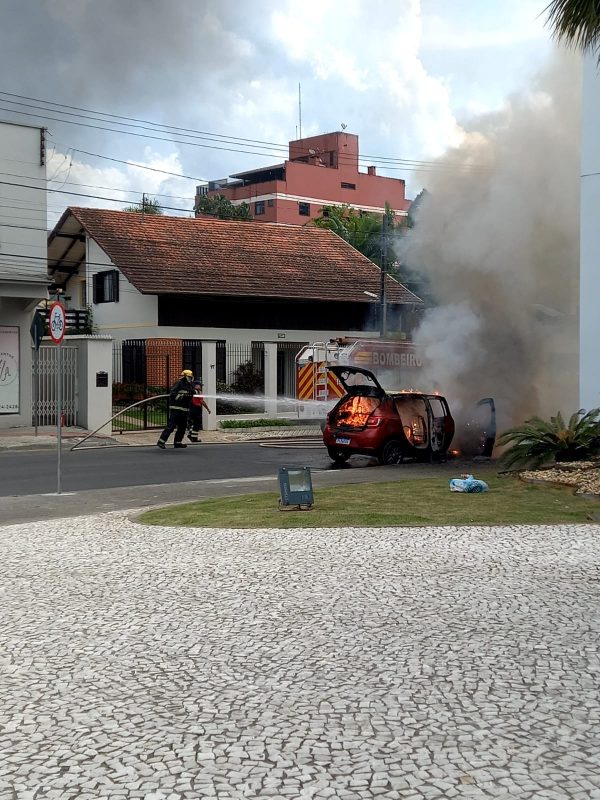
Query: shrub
{"x": 248, "y": 380}
{"x": 537, "y": 441}
{"x": 254, "y": 423}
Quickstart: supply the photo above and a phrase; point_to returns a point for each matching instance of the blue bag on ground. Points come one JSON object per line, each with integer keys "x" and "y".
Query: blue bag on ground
{"x": 467, "y": 483}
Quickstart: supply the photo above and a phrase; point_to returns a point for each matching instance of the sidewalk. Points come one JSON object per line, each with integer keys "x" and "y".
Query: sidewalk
{"x": 25, "y": 438}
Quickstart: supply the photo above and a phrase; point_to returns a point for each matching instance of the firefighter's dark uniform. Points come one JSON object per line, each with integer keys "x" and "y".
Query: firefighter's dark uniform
{"x": 180, "y": 398}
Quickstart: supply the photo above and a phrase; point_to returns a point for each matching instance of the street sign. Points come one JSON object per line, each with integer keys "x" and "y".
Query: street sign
{"x": 37, "y": 329}
{"x": 56, "y": 322}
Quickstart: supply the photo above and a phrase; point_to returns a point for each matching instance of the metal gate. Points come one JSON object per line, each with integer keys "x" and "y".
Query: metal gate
{"x": 146, "y": 375}
{"x": 46, "y": 374}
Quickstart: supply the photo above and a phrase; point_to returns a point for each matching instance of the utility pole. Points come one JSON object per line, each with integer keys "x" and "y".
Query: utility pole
{"x": 382, "y": 298}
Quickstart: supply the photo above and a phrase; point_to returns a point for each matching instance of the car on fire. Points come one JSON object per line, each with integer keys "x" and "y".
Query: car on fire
{"x": 394, "y": 425}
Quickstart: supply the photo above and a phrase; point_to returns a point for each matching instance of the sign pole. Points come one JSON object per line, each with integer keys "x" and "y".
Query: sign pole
{"x": 59, "y": 418}
{"x": 36, "y": 389}
{"x": 37, "y": 332}
{"x": 56, "y": 329}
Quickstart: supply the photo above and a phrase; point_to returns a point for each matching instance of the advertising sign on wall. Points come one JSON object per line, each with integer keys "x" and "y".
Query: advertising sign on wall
{"x": 9, "y": 369}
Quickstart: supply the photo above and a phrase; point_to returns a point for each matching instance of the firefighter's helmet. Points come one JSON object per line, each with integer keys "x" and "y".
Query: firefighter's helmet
{"x": 187, "y": 373}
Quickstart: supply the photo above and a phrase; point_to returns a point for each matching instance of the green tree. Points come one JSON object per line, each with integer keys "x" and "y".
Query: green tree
{"x": 146, "y": 206}
{"x": 538, "y": 441}
{"x": 365, "y": 232}
{"x": 217, "y": 205}
{"x": 576, "y": 23}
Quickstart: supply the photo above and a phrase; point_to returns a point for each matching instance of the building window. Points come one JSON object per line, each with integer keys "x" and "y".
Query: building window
{"x": 348, "y": 185}
{"x": 304, "y": 209}
{"x": 106, "y": 286}
{"x": 270, "y": 203}
{"x": 259, "y": 208}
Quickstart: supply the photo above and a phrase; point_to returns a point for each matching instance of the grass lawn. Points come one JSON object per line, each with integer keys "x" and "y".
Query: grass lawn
{"x": 426, "y": 501}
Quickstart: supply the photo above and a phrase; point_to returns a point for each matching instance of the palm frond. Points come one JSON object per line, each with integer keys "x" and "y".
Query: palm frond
{"x": 575, "y": 23}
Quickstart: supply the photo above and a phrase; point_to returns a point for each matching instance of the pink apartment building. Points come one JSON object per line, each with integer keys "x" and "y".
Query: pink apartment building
{"x": 321, "y": 170}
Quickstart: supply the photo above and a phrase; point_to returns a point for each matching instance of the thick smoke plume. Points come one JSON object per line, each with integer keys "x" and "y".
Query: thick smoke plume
{"x": 497, "y": 235}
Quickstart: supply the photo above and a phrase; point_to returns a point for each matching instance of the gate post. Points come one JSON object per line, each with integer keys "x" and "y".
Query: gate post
{"x": 271, "y": 379}
{"x": 94, "y": 379}
{"x": 209, "y": 385}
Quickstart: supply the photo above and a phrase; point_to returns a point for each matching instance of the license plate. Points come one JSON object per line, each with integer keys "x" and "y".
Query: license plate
{"x": 342, "y": 441}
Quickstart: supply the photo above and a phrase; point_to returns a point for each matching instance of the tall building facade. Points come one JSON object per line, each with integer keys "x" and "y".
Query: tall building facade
{"x": 589, "y": 286}
{"x": 320, "y": 170}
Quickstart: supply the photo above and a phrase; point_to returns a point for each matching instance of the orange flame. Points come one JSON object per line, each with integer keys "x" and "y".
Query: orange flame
{"x": 356, "y": 411}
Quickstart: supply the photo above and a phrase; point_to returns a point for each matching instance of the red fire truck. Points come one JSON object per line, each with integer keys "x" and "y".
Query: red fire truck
{"x": 314, "y": 381}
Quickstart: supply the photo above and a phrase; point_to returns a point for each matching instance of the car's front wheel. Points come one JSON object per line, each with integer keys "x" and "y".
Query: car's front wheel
{"x": 337, "y": 455}
{"x": 391, "y": 452}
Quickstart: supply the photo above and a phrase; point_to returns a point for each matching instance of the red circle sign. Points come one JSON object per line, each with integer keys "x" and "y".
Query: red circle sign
{"x": 56, "y": 322}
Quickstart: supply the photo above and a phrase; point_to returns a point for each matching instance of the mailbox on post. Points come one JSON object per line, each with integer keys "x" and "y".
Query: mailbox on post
{"x": 102, "y": 379}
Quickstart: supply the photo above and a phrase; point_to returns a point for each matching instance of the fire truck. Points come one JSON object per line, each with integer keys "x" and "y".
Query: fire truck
{"x": 314, "y": 380}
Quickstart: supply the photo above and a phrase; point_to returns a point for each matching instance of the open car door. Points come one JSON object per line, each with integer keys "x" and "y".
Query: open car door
{"x": 476, "y": 430}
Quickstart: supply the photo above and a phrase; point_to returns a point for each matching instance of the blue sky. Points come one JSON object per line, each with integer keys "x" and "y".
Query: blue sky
{"x": 408, "y": 76}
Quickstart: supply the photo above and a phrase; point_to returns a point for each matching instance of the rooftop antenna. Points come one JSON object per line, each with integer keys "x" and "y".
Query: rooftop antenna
{"x": 300, "y": 109}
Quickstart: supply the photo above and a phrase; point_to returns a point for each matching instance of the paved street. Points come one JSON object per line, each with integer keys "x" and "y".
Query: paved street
{"x": 164, "y": 664}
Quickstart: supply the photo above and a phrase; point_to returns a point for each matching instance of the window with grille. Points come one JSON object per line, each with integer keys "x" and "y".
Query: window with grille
{"x": 304, "y": 209}
{"x": 259, "y": 208}
{"x": 106, "y": 286}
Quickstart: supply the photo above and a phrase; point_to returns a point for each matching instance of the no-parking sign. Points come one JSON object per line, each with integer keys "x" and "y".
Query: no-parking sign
{"x": 56, "y": 322}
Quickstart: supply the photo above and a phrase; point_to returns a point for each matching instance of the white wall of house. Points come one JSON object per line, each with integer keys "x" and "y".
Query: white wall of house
{"x": 23, "y": 264}
{"x": 589, "y": 349}
{"x": 133, "y": 312}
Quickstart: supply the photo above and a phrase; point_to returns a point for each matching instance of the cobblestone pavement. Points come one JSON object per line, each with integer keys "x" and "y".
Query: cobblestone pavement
{"x": 163, "y": 664}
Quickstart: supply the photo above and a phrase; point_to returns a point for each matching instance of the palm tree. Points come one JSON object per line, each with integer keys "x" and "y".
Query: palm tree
{"x": 576, "y": 22}
{"x": 538, "y": 441}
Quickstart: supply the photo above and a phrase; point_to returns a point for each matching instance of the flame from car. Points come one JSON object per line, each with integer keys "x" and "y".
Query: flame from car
{"x": 355, "y": 412}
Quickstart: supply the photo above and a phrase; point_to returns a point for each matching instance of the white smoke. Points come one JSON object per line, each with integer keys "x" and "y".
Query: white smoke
{"x": 497, "y": 235}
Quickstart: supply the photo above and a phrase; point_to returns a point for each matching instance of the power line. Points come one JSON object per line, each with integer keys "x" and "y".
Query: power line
{"x": 273, "y": 147}
{"x": 78, "y": 194}
{"x": 140, "y": 166}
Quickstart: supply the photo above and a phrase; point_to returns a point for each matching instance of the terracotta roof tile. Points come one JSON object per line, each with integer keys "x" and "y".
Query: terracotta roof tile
{"x": 181, "y": 255}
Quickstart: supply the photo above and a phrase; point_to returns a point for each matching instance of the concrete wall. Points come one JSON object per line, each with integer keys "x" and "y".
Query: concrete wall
{"x": 589, "y": 352}
{"x": 94, "y": 402}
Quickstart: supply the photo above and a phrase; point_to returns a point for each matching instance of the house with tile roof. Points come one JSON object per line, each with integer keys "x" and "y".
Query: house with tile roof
{"x": 153, "y": 278}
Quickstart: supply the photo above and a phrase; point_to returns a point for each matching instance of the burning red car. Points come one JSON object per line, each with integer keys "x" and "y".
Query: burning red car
{"x": 389, "y": 425}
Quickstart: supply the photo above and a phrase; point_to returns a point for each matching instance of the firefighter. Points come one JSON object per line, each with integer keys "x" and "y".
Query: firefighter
{"x": 195, "y": 414}
{"x": 180, "y": 398}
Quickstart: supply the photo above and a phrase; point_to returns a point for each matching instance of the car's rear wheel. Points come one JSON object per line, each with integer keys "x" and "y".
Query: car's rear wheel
{"x": 391, "y": 452}
{"x": 337, "y": 455}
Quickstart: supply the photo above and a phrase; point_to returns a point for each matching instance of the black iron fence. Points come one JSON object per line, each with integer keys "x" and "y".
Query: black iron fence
{"x": 139, "y": 372}
{"x": 77, "y": 321}
{"x": 138, "y": 375}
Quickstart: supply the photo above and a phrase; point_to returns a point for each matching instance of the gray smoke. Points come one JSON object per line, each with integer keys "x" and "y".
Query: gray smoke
{"x": 497, "y": 235}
